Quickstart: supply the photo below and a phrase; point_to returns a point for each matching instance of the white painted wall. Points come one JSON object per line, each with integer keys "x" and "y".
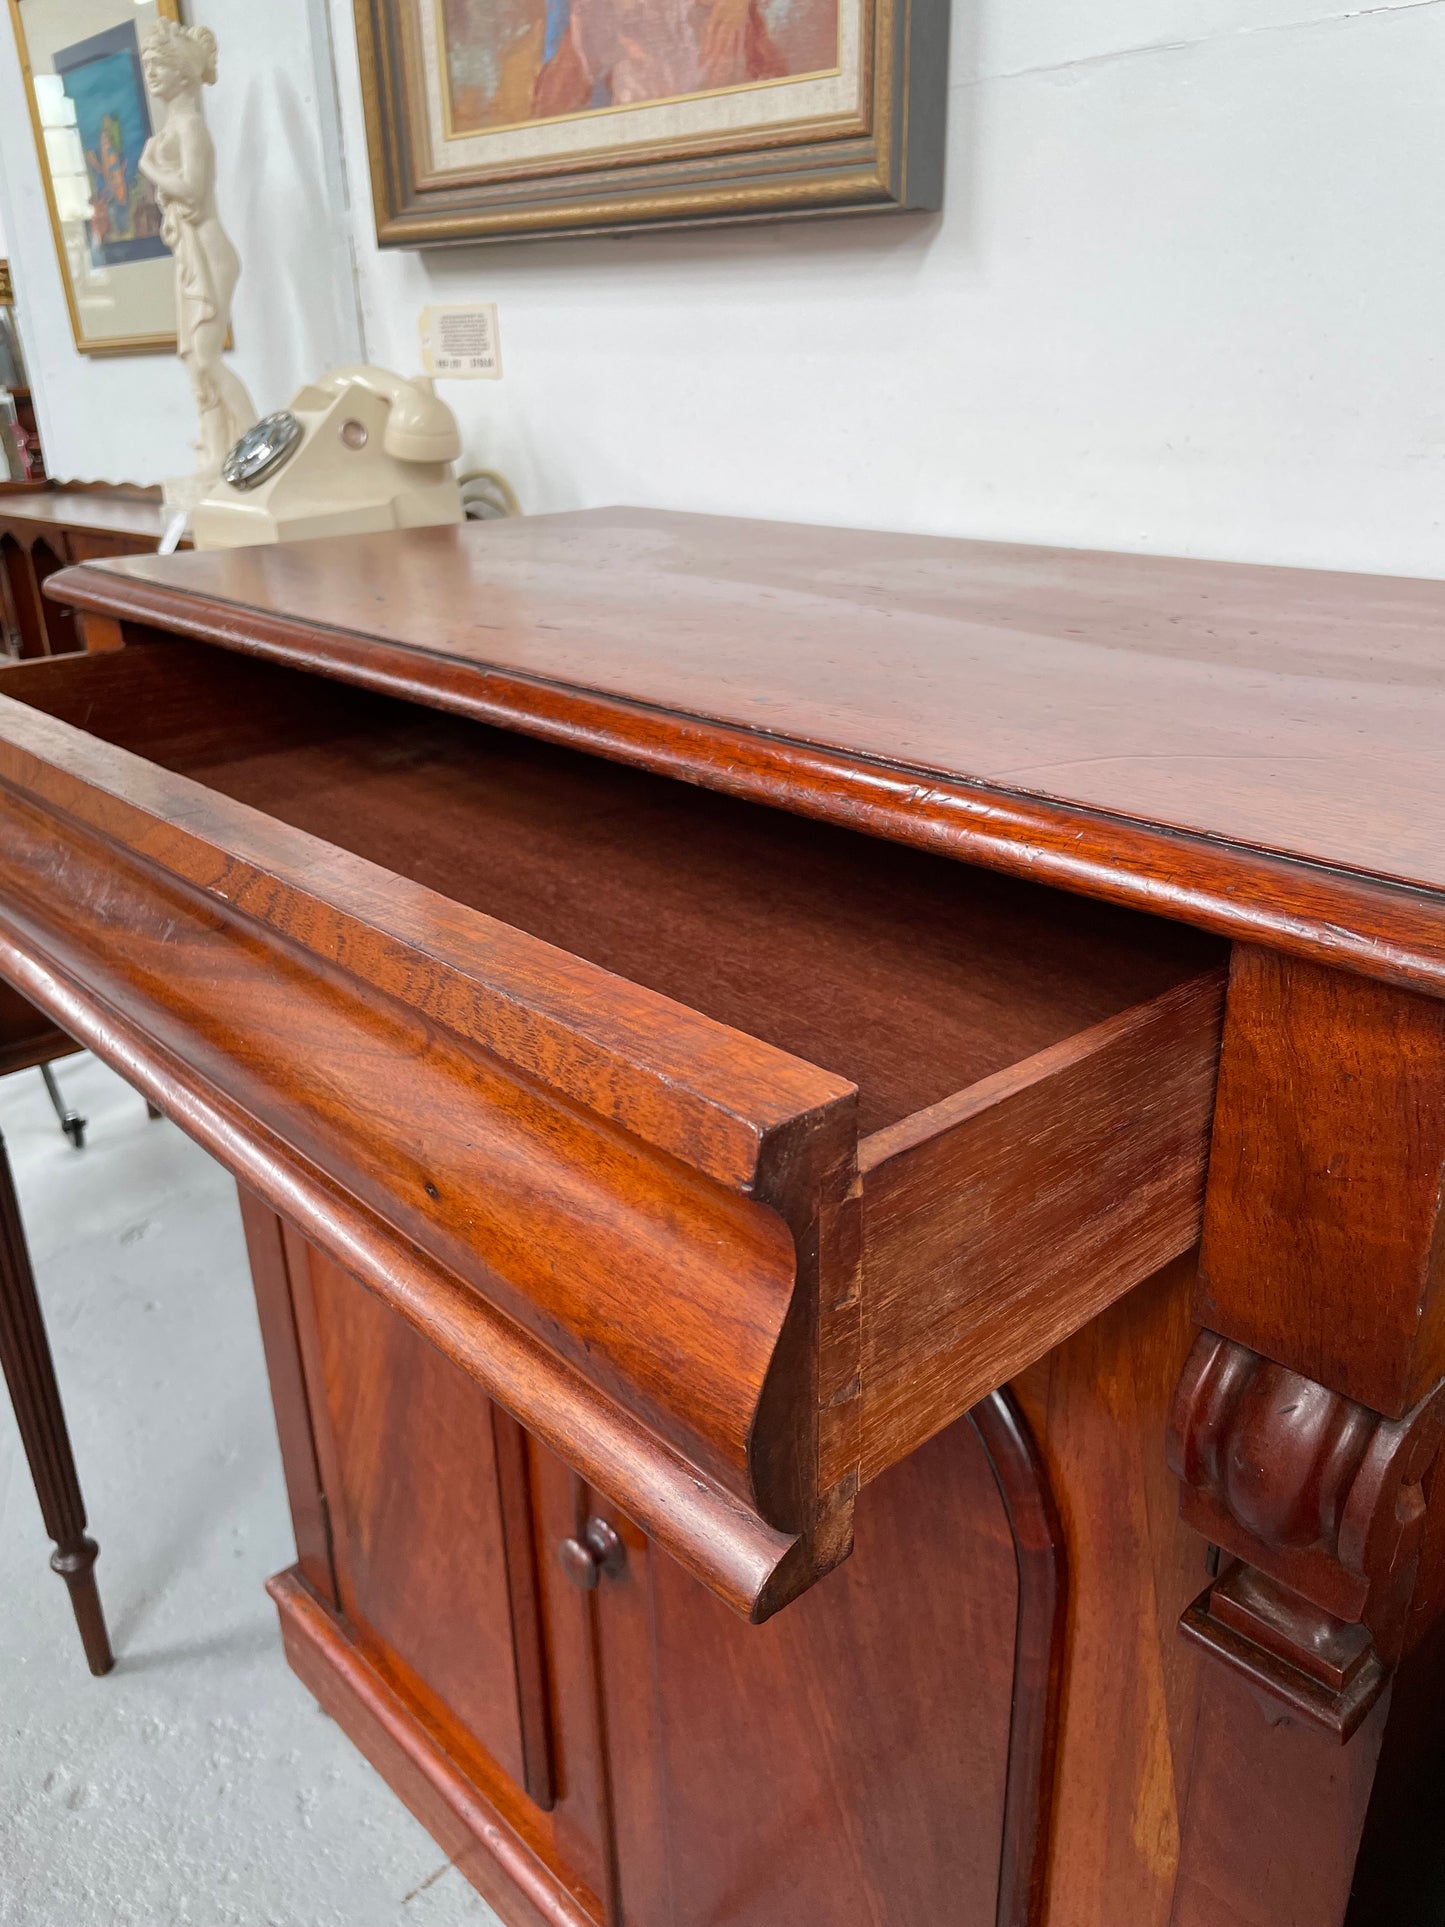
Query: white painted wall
{"x": 1187, "y": 294}
{"x": 130, "y": 417}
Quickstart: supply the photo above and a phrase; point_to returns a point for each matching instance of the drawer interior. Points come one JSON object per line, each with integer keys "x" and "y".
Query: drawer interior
{"x": 911, "y": 975}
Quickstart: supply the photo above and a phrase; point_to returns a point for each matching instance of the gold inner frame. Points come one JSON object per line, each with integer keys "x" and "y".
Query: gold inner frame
{"x": 597, "y": 113}
{"x": 877, "y": 19}
{"x": 111, "y": 344}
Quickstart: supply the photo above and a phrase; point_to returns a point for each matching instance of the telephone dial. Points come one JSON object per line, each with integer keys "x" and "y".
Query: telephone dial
{"x": 359, "y": 451}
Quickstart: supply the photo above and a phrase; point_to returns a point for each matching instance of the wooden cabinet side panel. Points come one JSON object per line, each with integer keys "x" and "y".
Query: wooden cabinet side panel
{"x": 1325, "y": 1180}
{"x": 1273, "y": 1825}
{"x": 1307, "y": 1429}
{"x": 1098, "y": 1406}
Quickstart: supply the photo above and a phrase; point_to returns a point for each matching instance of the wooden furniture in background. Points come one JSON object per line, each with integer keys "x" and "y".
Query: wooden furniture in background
{"x": 28, "y": 1040}
{"x": 29, "y": 1373}
{"x": 44, "y": 529}
{"x": 775, "y": 1195}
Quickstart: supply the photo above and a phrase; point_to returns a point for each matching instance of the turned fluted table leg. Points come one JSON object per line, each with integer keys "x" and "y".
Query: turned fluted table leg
{"x": 30, "y": 1376}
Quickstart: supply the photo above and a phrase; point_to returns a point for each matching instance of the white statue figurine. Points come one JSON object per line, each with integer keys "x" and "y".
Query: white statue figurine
{"x": 180, "y": 163}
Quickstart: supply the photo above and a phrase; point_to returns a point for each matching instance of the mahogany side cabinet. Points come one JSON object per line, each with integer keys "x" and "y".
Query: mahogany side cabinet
{"x": 44, "y": 528}
{"x": 841, "y": 1138}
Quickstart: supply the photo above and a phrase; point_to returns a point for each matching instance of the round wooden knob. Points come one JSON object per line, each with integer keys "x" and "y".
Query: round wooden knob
{"x": 599, "y": 1550}
{"x": 578, "y": 1564}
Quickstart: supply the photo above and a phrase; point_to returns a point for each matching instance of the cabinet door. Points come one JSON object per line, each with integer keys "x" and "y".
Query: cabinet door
{"x": 848, "y": 1761}
{"x": 443, "y": 1516}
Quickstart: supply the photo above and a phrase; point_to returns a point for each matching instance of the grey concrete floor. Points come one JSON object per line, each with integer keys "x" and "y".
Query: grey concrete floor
{"x": 198, "y": 1783}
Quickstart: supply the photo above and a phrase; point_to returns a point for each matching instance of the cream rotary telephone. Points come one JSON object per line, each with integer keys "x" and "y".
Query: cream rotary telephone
{"x": 359, "y": 451}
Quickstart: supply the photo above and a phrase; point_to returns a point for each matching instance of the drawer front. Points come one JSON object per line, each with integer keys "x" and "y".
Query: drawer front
{"x": 611, "y": 1212}
{"x": 654, "y": 1240}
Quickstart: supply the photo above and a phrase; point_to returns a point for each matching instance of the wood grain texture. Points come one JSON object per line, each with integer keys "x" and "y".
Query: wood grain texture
{"x": 429, "y": 1539}
{"x": 276, "y": 1310}
{"x": 1306, "y": 1436}
{"x": 580, "y": 1823}
{"x": 909, "y": 976}
{"x": 1097, "y": 1408}
{"x": 1274, "y": 1817}
{"x": 1039, "y": 1553}
{"x": 710, "y": 1096}
{"x": 517, "y": 1506}
{"x": 421, "y": 1533}
{"x": 499, "y": 1860}
{"x": 846, "y": 1763}
{"x": 429, "y": 1054}
{"x": 1326, "y": 1173}
{"x": 194, "y": 914}
{"x": 998, "y": 1222}
{"x": 1090, "y": 720}
{"x": 591, "y": 1130}
{"x": 99, "y": 635}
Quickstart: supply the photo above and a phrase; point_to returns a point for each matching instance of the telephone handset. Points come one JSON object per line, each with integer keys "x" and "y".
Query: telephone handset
{"x": 360, "y": 450}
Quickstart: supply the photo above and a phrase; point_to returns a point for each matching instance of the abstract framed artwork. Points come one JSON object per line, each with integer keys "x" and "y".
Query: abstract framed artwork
{"x": 489, "y": 120}
{"x": 92, "y": 115}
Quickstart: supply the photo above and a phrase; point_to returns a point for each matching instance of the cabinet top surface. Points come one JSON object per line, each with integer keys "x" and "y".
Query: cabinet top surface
{"x": 1261, "y": 709}
{"x": 95, "y": 510}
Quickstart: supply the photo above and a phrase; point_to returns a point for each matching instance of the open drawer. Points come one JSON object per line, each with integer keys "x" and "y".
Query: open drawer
{"x": 734, "y": 1154}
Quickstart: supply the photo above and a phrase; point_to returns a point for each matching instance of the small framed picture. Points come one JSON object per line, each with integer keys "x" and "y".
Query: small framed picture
{"x": 92, "y": 115}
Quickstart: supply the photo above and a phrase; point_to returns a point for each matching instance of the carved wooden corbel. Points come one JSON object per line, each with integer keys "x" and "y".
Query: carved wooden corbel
{"x": 1321, "y": 1503}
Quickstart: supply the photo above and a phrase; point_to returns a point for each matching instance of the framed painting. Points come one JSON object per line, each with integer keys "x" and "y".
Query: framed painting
{"x": 489, "y": 120}
{"x": 92, "y": 115}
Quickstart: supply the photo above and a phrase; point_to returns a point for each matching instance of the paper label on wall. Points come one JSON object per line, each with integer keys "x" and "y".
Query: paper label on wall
{"x": 460, "y": 340}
